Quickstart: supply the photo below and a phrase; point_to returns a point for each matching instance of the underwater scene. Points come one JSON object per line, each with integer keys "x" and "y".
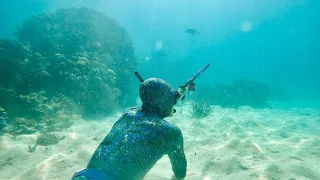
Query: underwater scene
{"x": 159, "y": 90}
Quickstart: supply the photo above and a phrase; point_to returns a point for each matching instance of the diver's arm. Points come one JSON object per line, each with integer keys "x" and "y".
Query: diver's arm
{"x": 177, "y": 156}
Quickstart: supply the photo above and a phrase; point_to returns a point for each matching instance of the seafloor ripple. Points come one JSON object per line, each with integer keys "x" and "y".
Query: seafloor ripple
{"x": 229, "y": 144}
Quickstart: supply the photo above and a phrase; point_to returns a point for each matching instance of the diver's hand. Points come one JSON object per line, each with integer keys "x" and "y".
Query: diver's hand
{"x": 189, "y": 173}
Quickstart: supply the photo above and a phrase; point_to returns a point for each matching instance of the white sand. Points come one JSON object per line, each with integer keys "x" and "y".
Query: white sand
{"x": 229, "y": 144}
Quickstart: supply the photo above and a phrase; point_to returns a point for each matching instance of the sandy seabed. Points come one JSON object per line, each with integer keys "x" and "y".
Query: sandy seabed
{"x": 229, "y": 144}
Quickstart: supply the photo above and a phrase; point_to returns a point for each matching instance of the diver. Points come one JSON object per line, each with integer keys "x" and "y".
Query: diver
{"x": 140, "y": 138}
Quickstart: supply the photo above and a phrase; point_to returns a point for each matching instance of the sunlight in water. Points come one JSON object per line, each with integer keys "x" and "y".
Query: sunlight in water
{"x": 246, "y": 26}
{"x": 159, "y": 44}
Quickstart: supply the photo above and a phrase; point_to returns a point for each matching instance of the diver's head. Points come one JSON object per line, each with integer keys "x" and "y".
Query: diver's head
{"x": 157, "y": 97}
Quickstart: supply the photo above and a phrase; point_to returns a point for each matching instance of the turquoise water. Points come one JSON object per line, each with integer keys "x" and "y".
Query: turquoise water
{"x": 61, "y": 73}
{"x": 280, "y": 47}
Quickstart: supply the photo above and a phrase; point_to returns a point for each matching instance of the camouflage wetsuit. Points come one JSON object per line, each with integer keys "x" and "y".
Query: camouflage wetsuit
{"x": 140, "y": 138}
{"x": 135, "y": 143}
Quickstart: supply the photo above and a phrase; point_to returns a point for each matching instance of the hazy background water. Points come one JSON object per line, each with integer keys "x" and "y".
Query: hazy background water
{"x": 273, "y": 41}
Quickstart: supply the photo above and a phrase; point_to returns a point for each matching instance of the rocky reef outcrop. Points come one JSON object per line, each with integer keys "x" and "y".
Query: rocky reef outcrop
{"x": 73, "y": 62}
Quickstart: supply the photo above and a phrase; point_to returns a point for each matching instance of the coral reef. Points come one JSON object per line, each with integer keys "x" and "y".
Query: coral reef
{"x": 46, "y": 139}
{"x": 81, "y": 46}
{"x": 35, "y": 112}
{"x": 73, "y": 61}
{"x": 240, "y": 93}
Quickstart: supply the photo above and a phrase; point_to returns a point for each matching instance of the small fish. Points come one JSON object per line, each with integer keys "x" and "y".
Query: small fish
{"x": 192, "y": 31}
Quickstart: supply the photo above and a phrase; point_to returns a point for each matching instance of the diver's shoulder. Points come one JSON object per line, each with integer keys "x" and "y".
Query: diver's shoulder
{"x": 171, "y": 127}
{"x": 131, "y": 112}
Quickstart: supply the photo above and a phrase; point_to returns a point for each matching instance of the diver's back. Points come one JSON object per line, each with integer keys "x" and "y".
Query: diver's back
{"x": 135, "y": 143}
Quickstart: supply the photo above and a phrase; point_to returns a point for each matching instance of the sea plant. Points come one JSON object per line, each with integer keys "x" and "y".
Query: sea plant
{"x": 200, "y": 108}
{"x": 3, "y": 120}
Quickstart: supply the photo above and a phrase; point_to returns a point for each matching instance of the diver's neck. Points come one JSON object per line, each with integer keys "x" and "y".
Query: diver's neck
{"x": 151, "y": 112}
